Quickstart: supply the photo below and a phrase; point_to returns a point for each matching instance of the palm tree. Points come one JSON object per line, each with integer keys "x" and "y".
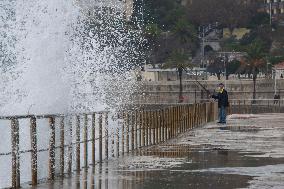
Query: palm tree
{"x": 186, "y": 35}
{"x": 181, "y": 62}
{"x": 254, "y": 60}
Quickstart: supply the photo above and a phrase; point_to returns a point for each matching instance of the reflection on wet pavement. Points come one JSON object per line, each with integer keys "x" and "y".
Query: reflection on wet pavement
{"x": 201, "y": 159}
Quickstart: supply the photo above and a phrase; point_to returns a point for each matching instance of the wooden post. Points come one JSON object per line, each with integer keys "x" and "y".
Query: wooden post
{"x": 33, "y": 135}
{"x": 143, "y": 127}
{"x": 100, "y": 138}
{"x": 150, "y": 126}
{"x": 85, "y": 141}
{"x": 174, "y": 122}
{"x": 163, "y": 118}
{"x": 122, "y": 136}
{"x": 167, "y": 117}
{"x": 140, "y": 128}
{"x": 51, "y": 170}
{"x": 146, "y": 128}
{"x": 117, "y": 142}
{"x": 62, "y": 146}
{"x": 106, "y": 136}
{"x": 137, "y": 121}
{"x": 78, "y": 140}
{"x": 70, "y": 147}
{"x": 127, "y": 131}
{"x": 132, "y": 118}
{"x": 15, "y": 153}
{"x": 153, "y": 126}
{"x": 112, "y": 143}
{"x": 94, "y": 139}
{"x": 159, "y": 126}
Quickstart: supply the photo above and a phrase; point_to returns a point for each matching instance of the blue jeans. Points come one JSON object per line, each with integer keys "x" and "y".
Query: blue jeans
{"x": 222, "y": 114}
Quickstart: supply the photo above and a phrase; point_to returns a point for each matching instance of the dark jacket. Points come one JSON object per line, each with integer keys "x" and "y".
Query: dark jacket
{"x": 222, "y": 99}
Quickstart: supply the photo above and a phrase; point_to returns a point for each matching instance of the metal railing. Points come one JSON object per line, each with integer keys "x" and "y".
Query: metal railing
{"x": 129, "y": 131}
{"x": 243, "y": 106}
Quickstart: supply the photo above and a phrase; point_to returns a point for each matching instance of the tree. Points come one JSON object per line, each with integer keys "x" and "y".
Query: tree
{"x": 180, "y": 61}
{"x": 153, "y": 34}
{"x": 163, "y": 12}
{"x": 232, "y": 67}
{"x": 216, "y": 66}
{"x": 228, "y": 13}
{"x": 186, "y": 35}
{"x": 254, "y": 60}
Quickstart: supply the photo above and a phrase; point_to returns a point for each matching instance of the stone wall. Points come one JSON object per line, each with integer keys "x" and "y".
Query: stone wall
{"x": 168, "y": 91}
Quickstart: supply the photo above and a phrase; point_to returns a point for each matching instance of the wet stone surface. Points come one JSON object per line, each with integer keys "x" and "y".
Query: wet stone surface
{"x": 247, "y": 153}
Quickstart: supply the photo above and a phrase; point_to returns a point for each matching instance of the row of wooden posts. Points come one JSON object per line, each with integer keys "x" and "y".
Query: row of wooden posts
{"x": 130, "y": 131}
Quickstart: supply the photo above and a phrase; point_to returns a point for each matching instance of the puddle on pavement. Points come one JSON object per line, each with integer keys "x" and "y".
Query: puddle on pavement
{"x": 236, "y": 128}
{"x": 180, "y": 176}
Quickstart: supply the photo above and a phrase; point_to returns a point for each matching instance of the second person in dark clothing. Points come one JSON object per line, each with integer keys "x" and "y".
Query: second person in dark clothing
{"x": 223, "y": 103}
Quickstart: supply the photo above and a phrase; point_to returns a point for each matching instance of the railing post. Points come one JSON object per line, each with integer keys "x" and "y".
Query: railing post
{"x": 122, "y": 136}
{"x": 162, "y": 120}
{"x": 132, "y": 118}
{"x": 15, "y": 153}
{"x": 100, "y": 138}
{"x": 169, "y": 124}
{"x": 146, "y": 129}
{"x": 85, "y": 141}
{"x": 70, "y": 147}
{"x": 78, "y": 140}
{"x": 106, "y": 135}
{"x": 94, "y": 139}
{"x": 140, "y": 127}
{"x": 143, "y": 125}
{"x": 62, "y": 146}
{"x": 126, "y": 121}
{"x": 51, "y": 171}
{"x": 136, "y": 122}
{"x": 117, "y": 142}
{"x": 112, "y": 144}
{"x": 33, "y": 135}
{"x": 152, "y": 127}
{"x": 160, "y": 125}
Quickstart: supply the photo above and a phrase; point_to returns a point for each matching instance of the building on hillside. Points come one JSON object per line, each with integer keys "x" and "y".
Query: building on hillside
{"x": 279, "y": 71}
{"x": 275, "y": 8}
{"x": 108, "y": 7}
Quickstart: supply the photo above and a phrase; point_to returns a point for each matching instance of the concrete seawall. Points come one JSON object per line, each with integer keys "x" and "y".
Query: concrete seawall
{"x": 168, "y": 91}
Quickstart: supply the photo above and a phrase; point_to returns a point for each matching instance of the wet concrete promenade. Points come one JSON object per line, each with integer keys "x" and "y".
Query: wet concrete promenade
{"x": 247, "y": 153}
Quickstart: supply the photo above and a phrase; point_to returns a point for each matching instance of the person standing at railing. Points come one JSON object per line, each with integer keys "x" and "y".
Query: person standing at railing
{"x": 223, "y": 103}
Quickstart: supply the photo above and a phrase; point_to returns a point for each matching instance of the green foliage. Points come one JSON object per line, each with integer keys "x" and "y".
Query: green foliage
{"x": 233, "y": 67}
{"x": 184, "y": 31}
{"x": 275, "y": 59}
{"x": 256, "y": 50}
{"x": 216, "y": 66}
{"x": 259, "y": 19}
{"x": 231, "y": 44}
{"x": 152, "y": 32}
{"x": 178, "y": 60}
{"x": 163, "y": 12}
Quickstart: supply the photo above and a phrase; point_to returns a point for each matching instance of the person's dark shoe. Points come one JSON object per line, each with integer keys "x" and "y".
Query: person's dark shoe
{"x": 219, "y": 122}
{"x": 223, "y": 123}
